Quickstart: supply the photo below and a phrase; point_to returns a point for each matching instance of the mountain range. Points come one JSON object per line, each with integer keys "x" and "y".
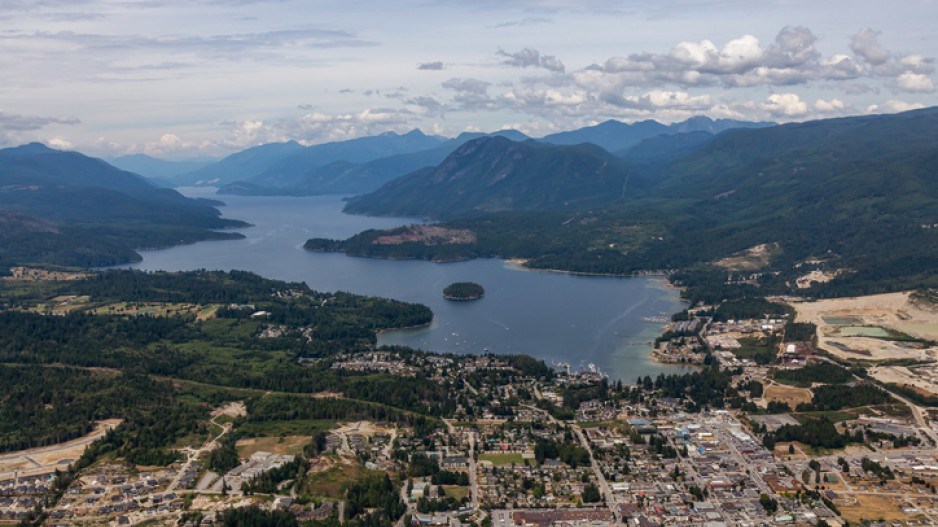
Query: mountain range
{"x": 362, "y": 165}
{"x": 492, "y": 174}
{"x": 615, "y": 136}
{"x": 156, "y": 169}
{"x": 856, "y": 196}
{"x": 67, "y": 208}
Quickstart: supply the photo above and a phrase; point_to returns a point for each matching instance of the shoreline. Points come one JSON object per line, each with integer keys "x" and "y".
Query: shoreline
{"x": 405, "y": 328}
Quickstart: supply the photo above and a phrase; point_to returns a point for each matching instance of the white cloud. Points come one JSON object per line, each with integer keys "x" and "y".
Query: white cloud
{"x": 785, "y": 105}
{"x": 915, "y": 82}
{"x": 893, "y": 106}
{"x": 832, "y": 106}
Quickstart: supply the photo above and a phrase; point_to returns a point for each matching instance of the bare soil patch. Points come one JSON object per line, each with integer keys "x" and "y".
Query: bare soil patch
{"x": 791, "y": 395}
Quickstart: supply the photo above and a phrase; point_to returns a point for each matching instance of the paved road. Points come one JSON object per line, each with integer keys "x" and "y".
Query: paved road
{"x": 600, "y": 478}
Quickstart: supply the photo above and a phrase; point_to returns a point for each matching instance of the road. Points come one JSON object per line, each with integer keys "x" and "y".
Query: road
{"x": 193, "y": 454}
{"x": 600, "y": 478}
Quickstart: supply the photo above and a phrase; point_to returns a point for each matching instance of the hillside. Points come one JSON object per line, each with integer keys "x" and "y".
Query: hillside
{"x": 855, "y": 194}
{"x": 344, "y": 177}
{"x": 153, "y": 168}
{"x": 492, "y": 174}
{"x": 615, "y": 135}
{"x": 241, "y": 165}
{"x": 290, "y": 169}
{"x": 67, "y": 208}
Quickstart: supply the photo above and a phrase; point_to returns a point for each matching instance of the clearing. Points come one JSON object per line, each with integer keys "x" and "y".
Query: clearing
{"x": 290, "y": 445}
{"x": 500, "y": 460}
{"x": 872, "y": 507}
{"x": 752, "y": 259}
{"x": 839, "y": 318}
{"x": 922, "y": 379}
{"x": 44, "y": 460}
{"x": 790, "y": 395}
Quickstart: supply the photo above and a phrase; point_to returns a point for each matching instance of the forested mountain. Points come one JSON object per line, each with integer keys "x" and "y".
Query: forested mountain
{"x": 615, "y": 135}
{"x": 856, "y": 194}
{"x": 67, "y": 208}
{"x": 345, "y": 177}
{"x": 290, "y": 169}
{"x": 153, "y": 168}
{"x": 241, "y": 165}
{"x": 664, "y": 148}
{"x": 493, "y": 174}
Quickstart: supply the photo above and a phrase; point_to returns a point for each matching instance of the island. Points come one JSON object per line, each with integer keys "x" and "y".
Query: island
{"x": 463, "y": 291}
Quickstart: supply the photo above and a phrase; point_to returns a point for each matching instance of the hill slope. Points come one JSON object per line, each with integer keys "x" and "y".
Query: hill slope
{"x": 615, "y": 135}
{"x": 67, "y": 208}
{"x": 287, "y": 171}
{"x": 241, "y": 165}
{"x": 493, "y": 174}
{"x": 153, "y": 168}
{"x": 856, "y": 195}
{"x": 344, "y": 177}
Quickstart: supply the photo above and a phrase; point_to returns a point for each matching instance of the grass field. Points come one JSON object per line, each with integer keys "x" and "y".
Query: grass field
{"x": 456, "y": 491}
{"x": 290, "y": 445}
{"x": 299, "y": 427}
{"x": 870, "y": 507}
{"x": 331, "y": 483}
{"x": 501, "y": 460}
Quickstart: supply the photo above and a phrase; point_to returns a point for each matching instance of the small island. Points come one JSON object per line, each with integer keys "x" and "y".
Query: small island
{"x": 462, "y": 291}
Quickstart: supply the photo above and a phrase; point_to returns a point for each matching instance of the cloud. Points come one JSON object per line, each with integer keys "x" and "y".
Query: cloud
{"x": 785, "y": 105}
{"x": 865, "y": 44}
{"x": 531, "y": 58}
{"x": 27, "y": 123}
{"x": 233, "y": 47}
{"x": 432, "y": 66}
{"x": 429, "y": 104}
{"x": 832, "y": 106}
{"x": 894, "y": 106}
{"x": 791, "y": 58}
{"x": 529, "y": 21}
{"x": 915, "y": 82}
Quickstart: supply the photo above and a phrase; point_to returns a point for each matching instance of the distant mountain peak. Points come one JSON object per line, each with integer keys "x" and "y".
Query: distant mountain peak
{"x": 31, "y": 149}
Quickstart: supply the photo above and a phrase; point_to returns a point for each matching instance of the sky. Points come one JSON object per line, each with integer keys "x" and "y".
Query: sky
{"x": 183, "y": 79}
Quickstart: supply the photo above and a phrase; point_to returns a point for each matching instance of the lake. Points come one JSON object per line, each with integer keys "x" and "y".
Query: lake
{"x": 557, "y": 317}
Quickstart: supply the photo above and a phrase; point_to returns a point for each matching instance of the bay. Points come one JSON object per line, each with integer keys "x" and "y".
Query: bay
{"x": 561, "y": 318}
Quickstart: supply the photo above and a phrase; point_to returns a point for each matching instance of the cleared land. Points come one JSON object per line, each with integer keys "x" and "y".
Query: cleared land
{"x": 291, "y": 445}
{"x": 46, "y": 459}
{"x": 500, "y": 460}
{"x": 790, "y": 395}
{"x": 922, "y": 379}
{"x": 872, "y": 507}
{"x": 893, "y": 312}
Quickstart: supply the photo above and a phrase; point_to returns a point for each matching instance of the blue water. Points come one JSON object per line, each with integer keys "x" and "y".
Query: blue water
{"x": 553, "y": 316}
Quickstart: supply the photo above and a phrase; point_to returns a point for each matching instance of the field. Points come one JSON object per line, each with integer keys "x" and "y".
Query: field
{"x": 332, "y": 482}
{"x": 791, "y": 395}
{"x": 887, "y": 321}
{"x": 456, "y": 491}
{"x": 500, "y": 460}
{"x": 923, "y": 380}
{"x": 872, "y": 507}
{"x": 291, "y": 445}
{"x": 304, "y": 427}
{"x": 46, "y": 459}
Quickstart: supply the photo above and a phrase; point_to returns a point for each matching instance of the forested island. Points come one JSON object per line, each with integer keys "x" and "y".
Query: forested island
{"x": 463, "y": 291}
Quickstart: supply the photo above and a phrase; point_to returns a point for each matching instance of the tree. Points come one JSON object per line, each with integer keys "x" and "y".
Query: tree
{"x": 769, "y": 504}
{"x": 591, "y": 494}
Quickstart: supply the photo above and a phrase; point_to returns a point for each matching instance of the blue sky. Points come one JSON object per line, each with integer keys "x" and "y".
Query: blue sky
{"x": 195, "y": 78}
